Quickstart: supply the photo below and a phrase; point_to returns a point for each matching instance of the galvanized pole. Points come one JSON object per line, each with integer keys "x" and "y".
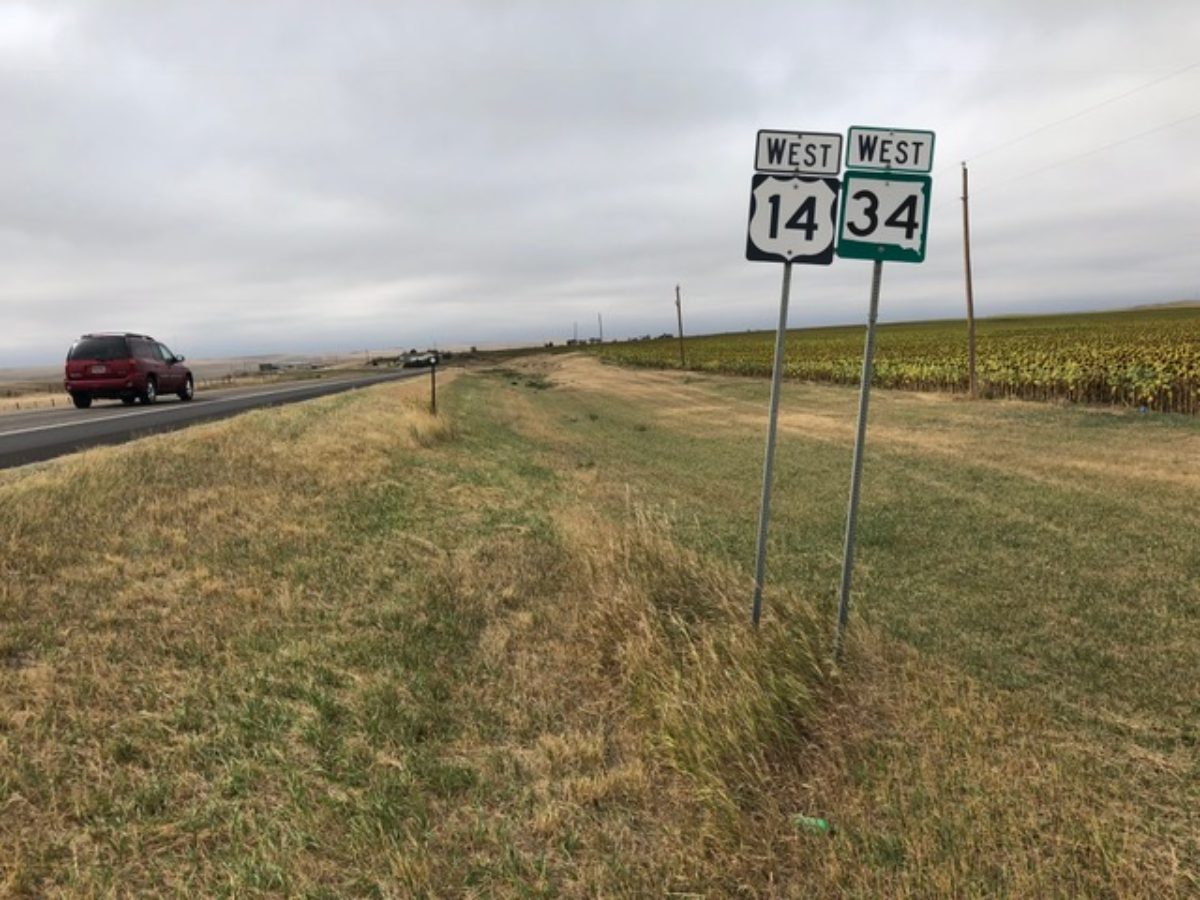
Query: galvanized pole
{"x": 972, "y": 382}
{"x": 764, "y": 514}
{"x": 679, "y": 315}
{"x": 864, "y": 398}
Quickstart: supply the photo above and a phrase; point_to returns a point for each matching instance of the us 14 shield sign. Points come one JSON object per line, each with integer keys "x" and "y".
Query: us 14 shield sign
{"x": 792, "y": 219}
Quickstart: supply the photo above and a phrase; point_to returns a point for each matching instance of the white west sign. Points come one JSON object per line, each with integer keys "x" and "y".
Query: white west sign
{"x": 889, "y": 150}
{"x": 798, "y": 153}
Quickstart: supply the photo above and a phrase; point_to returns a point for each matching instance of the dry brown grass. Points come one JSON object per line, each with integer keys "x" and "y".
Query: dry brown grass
{"x": 949, "y": 427}
{"x": 34, "y": 400}
{"x": 348, "y": 649}
{"x": 640, "y": 720}
{"x": 647, "y": 730}
{"x": 939, "y": 787}
{"x": 937, "y": 783}
{"x": 128, "y": 593}
{"x": 610, "y": 711}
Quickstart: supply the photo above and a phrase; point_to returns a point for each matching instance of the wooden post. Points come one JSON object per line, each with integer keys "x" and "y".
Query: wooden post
{"x": 972, "y": 383}
{"x": 433, "y": 389}
{"x": 679, "y": 315}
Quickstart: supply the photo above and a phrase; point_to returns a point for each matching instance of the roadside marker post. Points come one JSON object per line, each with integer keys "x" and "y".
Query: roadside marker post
{"x": 793, "y": 219}
{"x": 433, "y": 388}
{"x": 884, "y": 217}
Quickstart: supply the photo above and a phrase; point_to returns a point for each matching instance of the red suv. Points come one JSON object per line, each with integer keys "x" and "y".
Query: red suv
{"x": 127, "y": 367}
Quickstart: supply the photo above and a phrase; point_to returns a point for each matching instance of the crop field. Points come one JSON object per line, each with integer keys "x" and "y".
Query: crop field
{"x": 1139, "y": 358}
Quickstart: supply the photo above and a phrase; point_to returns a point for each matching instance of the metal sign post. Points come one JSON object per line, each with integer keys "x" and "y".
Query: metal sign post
{"x": 884, "y": 216}
{"x": 433, "y": 388}
{"x": 860, "y": 440}
{"x": 792, "y": 220}
{"x": 764, "y": 510}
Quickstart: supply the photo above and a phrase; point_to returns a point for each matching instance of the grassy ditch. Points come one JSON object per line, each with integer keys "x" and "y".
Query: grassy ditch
{"x": 345, "y": 648}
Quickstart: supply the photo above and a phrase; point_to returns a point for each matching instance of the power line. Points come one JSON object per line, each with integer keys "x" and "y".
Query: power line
{"x": 1080, "y": 113}
{"x": 1095, "y": 150}
{"x": 1090, "y": 152}
{"x": 1083, "y": 112}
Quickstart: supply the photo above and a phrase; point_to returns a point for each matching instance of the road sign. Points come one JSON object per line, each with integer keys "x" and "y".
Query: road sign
{"x": 792, "y": 219}
{"x": 798, "y": 153}
{"x": 884, "y": 216}
{"x": 889, "y": 149}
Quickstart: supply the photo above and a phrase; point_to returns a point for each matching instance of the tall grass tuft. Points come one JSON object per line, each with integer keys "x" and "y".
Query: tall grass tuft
{"x": 722, "y": 703}
{"x": 426, "y": 429}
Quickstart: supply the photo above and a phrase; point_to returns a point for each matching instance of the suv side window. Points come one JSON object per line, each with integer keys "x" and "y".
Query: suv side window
{"x": 167, "y": 355}
{"x": 142, "y": 349}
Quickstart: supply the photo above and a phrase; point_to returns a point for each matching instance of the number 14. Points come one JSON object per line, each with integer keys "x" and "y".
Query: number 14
{"x": 803, "y": 219}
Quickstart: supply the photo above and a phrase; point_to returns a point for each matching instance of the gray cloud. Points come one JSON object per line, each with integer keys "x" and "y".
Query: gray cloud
{"x": 240, "y": 177}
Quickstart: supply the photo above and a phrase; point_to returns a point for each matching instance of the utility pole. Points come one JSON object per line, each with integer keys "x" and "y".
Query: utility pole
{"x": 600, "y": 325}
{"x": 973, "y": 384}
{"x": 679, "y": 315}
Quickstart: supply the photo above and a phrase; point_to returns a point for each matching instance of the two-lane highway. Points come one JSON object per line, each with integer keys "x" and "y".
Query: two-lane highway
{"x": 27, "y": 437}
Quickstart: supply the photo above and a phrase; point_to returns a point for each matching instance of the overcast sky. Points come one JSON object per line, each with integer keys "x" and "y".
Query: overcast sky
{"x": 240, "y": 177}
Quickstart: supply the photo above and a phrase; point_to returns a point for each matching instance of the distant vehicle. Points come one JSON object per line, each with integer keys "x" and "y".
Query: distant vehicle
{"x": 126, "y": 367}
{"x": 420, "y": 360}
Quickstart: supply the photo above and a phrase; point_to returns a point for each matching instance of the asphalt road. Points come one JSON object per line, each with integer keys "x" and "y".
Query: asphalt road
{"x": 27, "y": 437}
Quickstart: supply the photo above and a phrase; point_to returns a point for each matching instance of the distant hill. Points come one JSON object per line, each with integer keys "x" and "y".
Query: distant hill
{"x": 1174, "y": 304}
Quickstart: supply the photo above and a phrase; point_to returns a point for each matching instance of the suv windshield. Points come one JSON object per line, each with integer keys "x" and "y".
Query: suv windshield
{"x": 99, "y": 348}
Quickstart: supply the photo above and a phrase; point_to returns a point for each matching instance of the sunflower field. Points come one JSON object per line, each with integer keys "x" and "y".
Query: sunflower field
{"x": 1143, "y": 358}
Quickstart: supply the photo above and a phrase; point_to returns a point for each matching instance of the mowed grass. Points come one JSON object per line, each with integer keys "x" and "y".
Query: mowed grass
{"x": 347, "y": 649}
{"x": 1032, "y": 574}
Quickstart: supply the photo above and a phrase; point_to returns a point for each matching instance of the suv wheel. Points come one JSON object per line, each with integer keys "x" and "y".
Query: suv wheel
{"x": 81, "y": 401}
{"x": 150, "y": 394}
{"x": 189, "y": 389}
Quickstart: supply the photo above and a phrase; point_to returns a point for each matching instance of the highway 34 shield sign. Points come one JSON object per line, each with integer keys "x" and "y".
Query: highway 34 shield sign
{"x": 792, "y": 219}
{"x": 884, "y": 216}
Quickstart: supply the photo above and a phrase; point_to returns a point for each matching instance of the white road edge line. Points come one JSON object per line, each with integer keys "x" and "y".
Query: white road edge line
{"x": 147, "y": 412}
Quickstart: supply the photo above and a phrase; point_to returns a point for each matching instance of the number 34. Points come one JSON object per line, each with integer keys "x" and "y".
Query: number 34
{"x": 903, "y": 216}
